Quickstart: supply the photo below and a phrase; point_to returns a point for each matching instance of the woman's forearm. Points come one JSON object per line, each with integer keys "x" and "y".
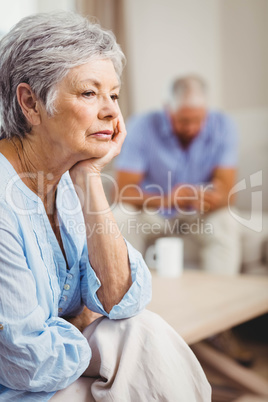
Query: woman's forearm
{"x": 106, "y": 246}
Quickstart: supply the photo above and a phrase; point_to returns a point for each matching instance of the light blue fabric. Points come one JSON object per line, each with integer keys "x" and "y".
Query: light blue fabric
{"x": 152, "y": 148}
{"x": 40, "y": 352}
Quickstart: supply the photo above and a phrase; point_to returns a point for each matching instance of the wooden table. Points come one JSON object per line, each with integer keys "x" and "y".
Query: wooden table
{"x": 198, "y": 305}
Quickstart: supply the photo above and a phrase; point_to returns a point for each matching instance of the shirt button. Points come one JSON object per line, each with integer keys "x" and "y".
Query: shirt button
{"x": 60, "y": 310}
{"x": 1, "y": 327}
{"x": 69, "y": 276}
{"x": 66, "y": 286}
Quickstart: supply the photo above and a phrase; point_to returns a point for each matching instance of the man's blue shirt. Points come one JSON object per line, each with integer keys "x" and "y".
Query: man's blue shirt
{"x": 152, "y": 148}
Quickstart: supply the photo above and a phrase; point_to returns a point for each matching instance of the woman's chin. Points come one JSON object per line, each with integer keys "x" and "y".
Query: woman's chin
{"x": 97, "y": 150}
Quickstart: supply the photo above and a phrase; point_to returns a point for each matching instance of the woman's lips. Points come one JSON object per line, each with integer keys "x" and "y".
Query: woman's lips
{"x": 106, "y": 134}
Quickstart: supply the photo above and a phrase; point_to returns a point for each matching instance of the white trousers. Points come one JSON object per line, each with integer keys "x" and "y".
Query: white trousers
{"x": 212, "y": 241}
{"x": 139, "y": 359}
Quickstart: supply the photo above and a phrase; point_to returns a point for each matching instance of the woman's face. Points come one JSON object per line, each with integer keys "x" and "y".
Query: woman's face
{"x": 86, "y": 112}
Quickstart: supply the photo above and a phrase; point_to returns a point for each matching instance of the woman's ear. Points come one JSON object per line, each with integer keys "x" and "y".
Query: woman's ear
{"x": 28, "y": 103}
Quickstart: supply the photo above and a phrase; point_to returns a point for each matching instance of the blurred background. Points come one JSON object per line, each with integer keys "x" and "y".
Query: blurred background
{"x": 225, "y": 41}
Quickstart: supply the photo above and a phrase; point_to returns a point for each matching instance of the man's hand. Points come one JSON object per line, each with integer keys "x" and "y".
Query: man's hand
{"x": 211, "y": 197}
{"x": 205, "y": 198}
{"x": 184, "y": 196}
{"x": 216, "y": 195}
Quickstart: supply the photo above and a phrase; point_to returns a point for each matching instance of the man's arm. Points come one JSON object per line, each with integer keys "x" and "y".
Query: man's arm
{"x": 183, "y": 196}
{"x": 130, "y": 191}
{"x": 224, "y": 175}
{"x": 223, "y": 179}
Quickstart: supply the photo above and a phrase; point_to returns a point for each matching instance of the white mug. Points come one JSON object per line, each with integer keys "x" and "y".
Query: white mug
{"x": 166, "y": 256}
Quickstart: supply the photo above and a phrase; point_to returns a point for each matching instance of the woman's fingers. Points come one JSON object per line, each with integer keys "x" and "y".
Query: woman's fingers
{"x": 121, "y": 122}
{"x": 120, "y": 131}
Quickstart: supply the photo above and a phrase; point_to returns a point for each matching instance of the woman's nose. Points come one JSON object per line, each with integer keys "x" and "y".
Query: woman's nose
{"x": 109, "y": 109}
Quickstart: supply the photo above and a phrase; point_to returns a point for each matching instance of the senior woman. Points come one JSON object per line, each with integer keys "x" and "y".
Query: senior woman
{"x": 60, "y": 248}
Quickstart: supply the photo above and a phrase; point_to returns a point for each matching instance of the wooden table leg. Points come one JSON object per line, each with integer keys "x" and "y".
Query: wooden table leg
{"x": 245, "y": 377}
{"x": 251, "y": 398}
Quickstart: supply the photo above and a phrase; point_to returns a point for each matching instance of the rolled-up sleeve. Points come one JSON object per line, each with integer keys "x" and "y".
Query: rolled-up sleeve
{"x": 136, "y": 298}
{"x": 37, "y": 353}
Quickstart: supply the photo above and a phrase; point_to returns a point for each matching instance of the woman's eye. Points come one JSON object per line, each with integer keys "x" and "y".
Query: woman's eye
{"x": 89, "y": 94}
{"x": 114, "y": 97}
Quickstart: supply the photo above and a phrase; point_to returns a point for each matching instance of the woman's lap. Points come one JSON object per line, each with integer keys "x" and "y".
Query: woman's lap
{"x": 138, "y": 359}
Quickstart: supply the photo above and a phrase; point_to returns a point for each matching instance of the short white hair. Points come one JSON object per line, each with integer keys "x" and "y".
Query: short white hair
{"x": 40, "y": 50}
{"x": 187, "y": 91}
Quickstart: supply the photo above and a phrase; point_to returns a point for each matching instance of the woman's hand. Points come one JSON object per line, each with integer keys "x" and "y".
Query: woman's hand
{"x": 95, "y": 165}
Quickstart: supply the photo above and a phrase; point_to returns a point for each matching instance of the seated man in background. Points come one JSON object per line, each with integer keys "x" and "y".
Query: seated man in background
{"x": 175, "y": 171}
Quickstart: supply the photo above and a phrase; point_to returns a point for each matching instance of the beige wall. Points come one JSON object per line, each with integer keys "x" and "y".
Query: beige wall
{"x": 226, "y": 41}
{"x": 45, "y": 6}
{"x": 11, "y": 11}
{"x": 167, "y": 38}
{"x": 244, "y": 49}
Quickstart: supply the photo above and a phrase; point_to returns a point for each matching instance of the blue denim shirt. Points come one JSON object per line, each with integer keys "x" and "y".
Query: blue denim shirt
{"x": 40, "y": 352}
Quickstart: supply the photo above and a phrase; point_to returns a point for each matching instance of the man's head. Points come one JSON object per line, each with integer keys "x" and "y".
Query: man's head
{"x": 187, "y": 107}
